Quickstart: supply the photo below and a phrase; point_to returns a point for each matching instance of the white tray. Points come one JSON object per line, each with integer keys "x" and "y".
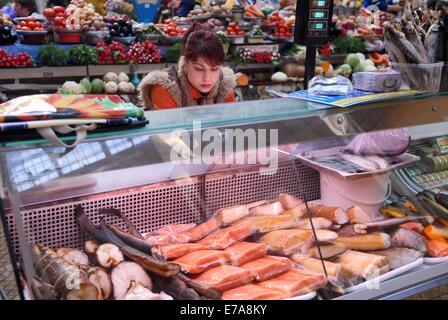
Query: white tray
{"x": 384, "y": 277}
{"x": 435, "y": 260}
{"x": 307, "y": 296}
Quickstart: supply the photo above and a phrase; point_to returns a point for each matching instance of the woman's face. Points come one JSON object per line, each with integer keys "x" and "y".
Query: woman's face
{"x": 21, "y": 11}
{"x": 202, "y": 75}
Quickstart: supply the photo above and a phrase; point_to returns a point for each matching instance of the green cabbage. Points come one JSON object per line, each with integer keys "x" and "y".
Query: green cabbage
{"x": 86, "y": 84}
{"x": 97, "y": 86}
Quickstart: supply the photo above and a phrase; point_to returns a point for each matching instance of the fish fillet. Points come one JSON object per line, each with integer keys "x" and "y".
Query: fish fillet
{"x": 288, "y": 202}
{"x": 270, "y": 209}
{"x": 318, "y": 223}
{"x": 252, "y": 292}
{"x": 228, "y": 215}
{"x": 201, "y": 260}
{"x": 356, "y": 265}
{"x": 409, "y": 239}
{"x": 223, "y": 238}
{"x": 225, "y": 277}
{"x": 175, "y": 228}
{"x": 286, "y": 242}
{"x": 243, "y": 252}
{"x": 175, "y": 251}
{"x": 295, "y": 282}
{"x": 399, "y": 257}
{"x": 334, "y": 270}
{"x": 269, "y": 223}
{"x": 168, "y": 238}
{"x": 203, "y": 229}
{"x": 268, "y": 267}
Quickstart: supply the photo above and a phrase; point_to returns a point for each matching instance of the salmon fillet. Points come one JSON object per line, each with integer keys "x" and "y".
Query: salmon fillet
{"x": 175, "y": 228}
{"x": 268, "y": 267}
{"x": 243, "y": 252}
{"x": 175, "y": 251}
{"x": 201, "y": 260}
{"x": 223, "y": 238}
{"x": 295, "y": 282}
{"x": 286, "y": 242}
{"x": 252, "y": 292}
{"x": 225, "y": 277}
{"x": 168, "y": 238}
{"x": 203, "y": 229}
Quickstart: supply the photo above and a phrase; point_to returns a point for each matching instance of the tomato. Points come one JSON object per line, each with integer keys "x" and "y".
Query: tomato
{"x": 30, "y": 19}
{"x": 240, "y": 33}
{"x": 58, "y": 9}
{"x": 23, "y": 24}
{"x": 38, "y": 29}
{"x": 31, "y": 25}
{"x": 173, "y": 33}
{"x": 59, "y": 20}
{"x": 25, "y": 28}
{"x": 49, "y": 12}
{"x": 232, "y": 24}
{"x": 281, "y": 30}
{"x": 237, "y": 28}
{"x": 19, "y": 28}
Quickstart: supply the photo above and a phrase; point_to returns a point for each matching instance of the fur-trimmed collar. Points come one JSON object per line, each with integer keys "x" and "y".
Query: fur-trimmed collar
{"x": 175, "y": 81}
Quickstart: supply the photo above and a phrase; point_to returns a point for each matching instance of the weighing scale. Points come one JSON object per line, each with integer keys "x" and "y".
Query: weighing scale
{"x": 313, "y": 23}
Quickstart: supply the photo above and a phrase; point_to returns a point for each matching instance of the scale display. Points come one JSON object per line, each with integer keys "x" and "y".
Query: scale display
{"x": 313, "y": 21}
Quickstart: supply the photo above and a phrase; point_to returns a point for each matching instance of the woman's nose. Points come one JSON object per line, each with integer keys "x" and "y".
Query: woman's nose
{"x": 205, "y": 76}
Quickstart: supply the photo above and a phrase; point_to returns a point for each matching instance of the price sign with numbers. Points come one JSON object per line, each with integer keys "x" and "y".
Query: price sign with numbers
{"x": 313, "y": 21}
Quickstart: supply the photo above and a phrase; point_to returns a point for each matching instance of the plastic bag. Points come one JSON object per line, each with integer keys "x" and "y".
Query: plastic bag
{"x": 336, "y": 86}
{"x": 225, "y": 277}
{"x": 201, "y": 260}
{"x": 268, "y": 267}
{"x": 244, "y": 252}
{"x": 388, "y": 143}
{"x": 223, "y": 238}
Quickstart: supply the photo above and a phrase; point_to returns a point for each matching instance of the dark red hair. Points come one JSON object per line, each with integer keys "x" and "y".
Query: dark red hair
{"x": 201, "y": 41}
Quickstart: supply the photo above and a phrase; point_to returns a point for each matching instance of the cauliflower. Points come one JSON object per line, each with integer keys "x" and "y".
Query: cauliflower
{"x": 123, "y": 77}
{"x": 126, "y": 87}
{"x": 71, "y": 87}
{"x": 110, "y": 76}
{"x": 111, "y": 87}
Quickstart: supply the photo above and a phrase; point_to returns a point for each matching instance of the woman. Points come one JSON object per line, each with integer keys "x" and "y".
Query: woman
{"x": 199, "y": 77}
{"x": 24, "y": 8}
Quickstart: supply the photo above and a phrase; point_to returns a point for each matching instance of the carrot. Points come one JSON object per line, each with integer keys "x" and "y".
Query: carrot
{"x": 376, "y": 58}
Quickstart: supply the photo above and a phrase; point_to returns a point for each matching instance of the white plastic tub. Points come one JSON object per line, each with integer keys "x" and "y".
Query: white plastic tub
{"x": 368, "y": 193}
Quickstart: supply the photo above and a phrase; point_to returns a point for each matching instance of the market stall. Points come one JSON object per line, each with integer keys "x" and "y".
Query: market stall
{"x": 55, "y": 198}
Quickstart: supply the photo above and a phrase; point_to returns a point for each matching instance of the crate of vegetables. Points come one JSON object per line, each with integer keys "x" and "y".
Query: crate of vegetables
{"x": 256, "y": 35}
{"x": 32, "y": 31}
{"x": 150, "y": 32}
{"x": 235, "y": 34}
{"x": 172, "y": 32}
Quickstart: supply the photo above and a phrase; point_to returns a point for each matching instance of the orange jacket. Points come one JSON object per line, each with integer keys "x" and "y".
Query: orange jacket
{"x": 162, "y": 99}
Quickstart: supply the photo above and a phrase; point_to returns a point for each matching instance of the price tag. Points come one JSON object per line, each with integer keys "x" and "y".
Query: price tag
{"x": 47, "y": 74}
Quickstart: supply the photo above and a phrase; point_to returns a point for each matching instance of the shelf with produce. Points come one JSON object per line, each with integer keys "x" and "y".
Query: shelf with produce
{"x": 43, "y": 72}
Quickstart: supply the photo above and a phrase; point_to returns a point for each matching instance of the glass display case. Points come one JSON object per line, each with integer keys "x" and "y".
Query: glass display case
{"x": 190, "y": 163}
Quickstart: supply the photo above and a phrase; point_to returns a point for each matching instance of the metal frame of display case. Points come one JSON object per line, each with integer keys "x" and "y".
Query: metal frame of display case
{"x": 303, "y": 125}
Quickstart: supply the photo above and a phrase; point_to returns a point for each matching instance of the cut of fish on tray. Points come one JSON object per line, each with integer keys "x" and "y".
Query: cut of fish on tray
{"x": 252, "y": 292}
{"x": 285, "y": 242}
{"x": 203, "y": 229}
{"x": 399, "y": 257}
{"x": 175, "y": 228}
{"x": 268, "y": 267}
{"x": 334, "y": 270}
{"x": 408, "y": 239}
{"x": 296, "y": 282}
{"x": 223, "y": 238}
{"x": 174, "y": 251}
{"x": 243, "y": 252}
{"x": 202, "y": 260}
{"x": 225, "y": 277}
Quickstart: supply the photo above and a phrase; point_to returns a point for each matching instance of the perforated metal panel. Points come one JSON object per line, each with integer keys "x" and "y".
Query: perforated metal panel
{"x": 153, "y": 206}
{"x": 148, "y": 207}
